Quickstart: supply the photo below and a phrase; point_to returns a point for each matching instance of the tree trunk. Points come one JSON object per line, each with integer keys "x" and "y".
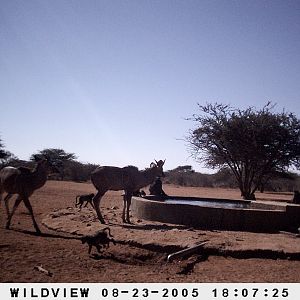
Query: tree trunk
{"x": 247, "y": 195}
{"x": 247, "y": 192}
{"x": 262, "y": 188}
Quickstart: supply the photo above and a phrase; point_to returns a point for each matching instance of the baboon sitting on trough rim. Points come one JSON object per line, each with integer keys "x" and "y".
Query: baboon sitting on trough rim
{"x": 80, "y": 199}
{"x": 156, "y": 188}
{"x": 100, "y": 239}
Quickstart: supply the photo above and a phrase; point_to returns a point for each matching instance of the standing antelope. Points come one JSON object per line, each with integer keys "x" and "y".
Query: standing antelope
{"x": 129, "y": 179}
{"x": 24, "y": 182}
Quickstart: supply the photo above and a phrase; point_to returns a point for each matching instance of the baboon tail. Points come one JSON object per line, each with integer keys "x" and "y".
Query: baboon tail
{"x": 108, "y": 229}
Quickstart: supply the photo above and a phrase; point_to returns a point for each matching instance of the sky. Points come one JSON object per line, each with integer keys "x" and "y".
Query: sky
{"x": 115, "y": 81}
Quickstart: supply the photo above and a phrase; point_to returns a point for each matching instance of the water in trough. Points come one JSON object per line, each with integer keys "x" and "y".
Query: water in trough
{"x": 209, "y": 203}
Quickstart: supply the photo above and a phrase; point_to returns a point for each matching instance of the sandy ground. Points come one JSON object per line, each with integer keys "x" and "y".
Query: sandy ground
{"x": 142, "y": 248}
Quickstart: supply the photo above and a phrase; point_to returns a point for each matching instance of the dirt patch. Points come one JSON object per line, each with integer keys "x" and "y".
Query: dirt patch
{"x": 140, "y": 254}
{"x": 167, "y": 238}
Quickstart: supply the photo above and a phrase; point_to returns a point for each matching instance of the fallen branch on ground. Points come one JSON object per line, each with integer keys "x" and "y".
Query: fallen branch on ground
{"x": 41, "y": 269}
{"x": 186, "y": 252}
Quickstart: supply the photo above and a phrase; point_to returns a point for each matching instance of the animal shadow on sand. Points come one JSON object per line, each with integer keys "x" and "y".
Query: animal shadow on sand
{"x": 164, "y": 227}
{"x": 42, "y": 234}
{"x": 134, "y": 259}
{"x": 188, "y": 265}
{"x": 111, "y": 256}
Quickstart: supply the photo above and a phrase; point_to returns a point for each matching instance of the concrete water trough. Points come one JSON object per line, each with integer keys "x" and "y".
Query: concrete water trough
{"x": 223, "y": 214}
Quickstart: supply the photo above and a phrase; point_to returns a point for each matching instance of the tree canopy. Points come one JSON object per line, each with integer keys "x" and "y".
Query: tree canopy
{"x": 3, "y": 153}
{"x": 6, "y": 157}
{"x": 253, "y": 143}
{"x": 58, "y": 157}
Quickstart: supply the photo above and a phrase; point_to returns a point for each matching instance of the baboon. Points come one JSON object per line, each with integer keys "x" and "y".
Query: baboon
{"x": 100, "y": 239}
{"x": 139, "y": 193}
{"x": 156, "y": 188}
{"x": 80, "y": 199}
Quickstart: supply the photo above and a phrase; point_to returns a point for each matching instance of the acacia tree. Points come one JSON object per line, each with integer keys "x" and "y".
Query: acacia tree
{"x": 8, "y": 159}
{"x": 252, "y": 143}
{"x": 56, "y": 154}
{"x": 3, "y": 153}
{"x": 58, "y": 157}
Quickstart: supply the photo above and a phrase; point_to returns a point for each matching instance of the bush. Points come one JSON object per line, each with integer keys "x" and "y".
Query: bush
{"x": 224, "y": 178}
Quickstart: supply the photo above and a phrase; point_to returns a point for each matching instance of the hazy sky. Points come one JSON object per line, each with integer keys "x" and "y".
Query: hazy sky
{"x": 113, "y": 81}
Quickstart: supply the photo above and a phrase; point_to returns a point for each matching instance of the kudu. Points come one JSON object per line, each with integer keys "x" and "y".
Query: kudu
{"x": 129, "y": 179}
{"x": 23, "y": 182}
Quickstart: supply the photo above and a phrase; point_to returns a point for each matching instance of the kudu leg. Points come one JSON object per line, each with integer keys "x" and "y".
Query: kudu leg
{"x": 6, "y": 199}
{"x": 96, "y": 201}
{"x": 126, "y": 206}
{"x": 17, "y": 202}
{"x": 28, "y": 206}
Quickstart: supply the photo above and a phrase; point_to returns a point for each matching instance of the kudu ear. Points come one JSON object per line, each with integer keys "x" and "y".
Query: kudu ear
{"x": 152, "y": 165}
{"x": 160, "y": 163}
